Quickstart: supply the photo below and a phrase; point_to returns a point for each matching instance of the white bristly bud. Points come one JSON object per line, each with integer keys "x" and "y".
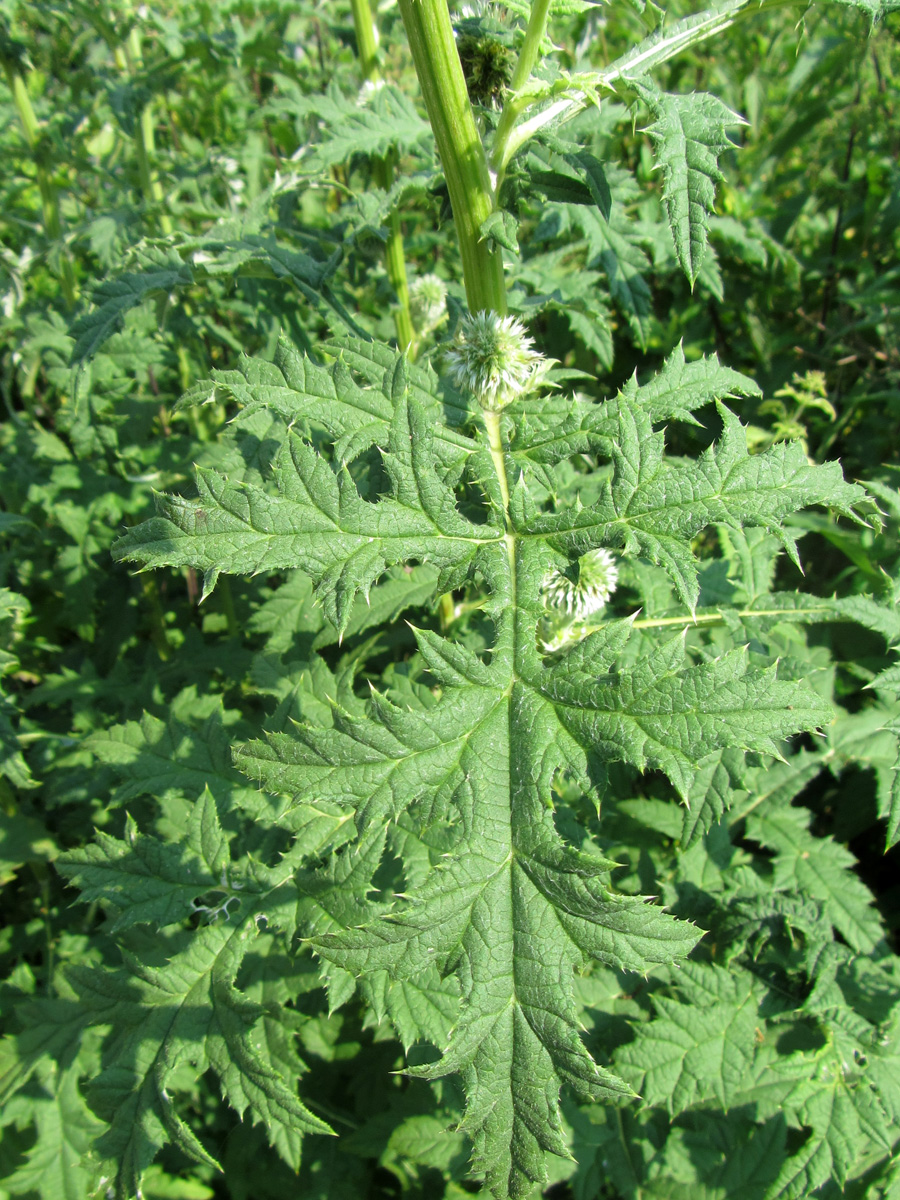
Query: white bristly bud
{"x": 571, "y": 602}
{"x": 427, "y": 302}
{"x": 494, "y": 358}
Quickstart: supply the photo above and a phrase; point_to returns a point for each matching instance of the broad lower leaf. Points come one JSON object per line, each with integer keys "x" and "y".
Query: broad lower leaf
{"x": 506, "y": 909}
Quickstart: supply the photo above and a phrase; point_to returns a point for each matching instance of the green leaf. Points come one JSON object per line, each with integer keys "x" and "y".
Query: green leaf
{"x": 845, "y": 1094}
{"x": 168, "y": 758}
{"x": 713, "y": 794}
{"x": 500, "y": 227}
{"x": 350, "y": 125}
{"x": 818, "y": 867}
{"x": 558, "y": 187}
{"x": 55, "y": 1168}
{"x": 653, "y": 508}
{"x": 50, "y": 1029}
{"x": 315, "y": 397}
{"x": 161, "y": 272}
{"x": 689, "y": 133}
{"x": 495, "y": 910}
{"x": 23, "y": 839}
{"x": 318, "y": 521}
{"x": 555, "y": 427}
{"x": 149, "y": 880}
{"x": 889, "y": 681}
{"x": 240, "y": 246}
{"x": 185, "y": 1014}
{"x": 427, "y": 1140}
{"x": 696, "y": 1049}
{"x": 618, "y": 248}
{"x": 507, "y": 909}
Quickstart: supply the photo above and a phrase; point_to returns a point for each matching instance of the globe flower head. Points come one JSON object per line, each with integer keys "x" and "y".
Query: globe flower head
{"x": 427, "y": 302}
{"x": 587, "y": 595}
{"x": 494, "y": 358}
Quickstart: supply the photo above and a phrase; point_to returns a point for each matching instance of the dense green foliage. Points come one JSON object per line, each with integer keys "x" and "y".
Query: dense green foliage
{"x": 509, "y": 789}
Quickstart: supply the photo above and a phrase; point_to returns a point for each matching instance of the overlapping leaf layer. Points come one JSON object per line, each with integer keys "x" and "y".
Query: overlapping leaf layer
{"x": 508, "y": 907}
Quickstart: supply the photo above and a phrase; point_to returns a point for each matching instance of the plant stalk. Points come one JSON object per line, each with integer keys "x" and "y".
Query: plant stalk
{"x": 394, "y": 259}
{"x": 433, "y": 46}
{"x": 525, "y": 64}
{"x": 145, "y": 135}
{"x": 366, "y": 39}
{"x": 49, "y": 197}
{"x": 367, "y": 47}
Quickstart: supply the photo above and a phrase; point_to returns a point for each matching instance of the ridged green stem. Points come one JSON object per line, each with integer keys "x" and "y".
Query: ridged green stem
{"x": 433, "y": 46}
{"x": 366, "y": 39}
{"x": 525, "y": 64}
{"x": 395, "y": 262}
{"x": 367, "y": 47}
{"x": 49, "y": 198}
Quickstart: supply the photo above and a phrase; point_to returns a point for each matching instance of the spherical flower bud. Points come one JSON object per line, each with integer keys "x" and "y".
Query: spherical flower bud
{"x": 427, "y": 302}
{"x": 494, "y": 358}
{"x": 596, "y": 582}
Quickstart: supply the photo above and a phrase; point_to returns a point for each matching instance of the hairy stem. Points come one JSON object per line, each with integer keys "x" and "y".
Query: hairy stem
{"x": 49, "y": 198}
{"x": 440, "y": 73}
{"x": 367, "y": 47}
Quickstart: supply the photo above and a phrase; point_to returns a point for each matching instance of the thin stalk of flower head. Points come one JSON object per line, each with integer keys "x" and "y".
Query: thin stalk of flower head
{"x": 49, "y": 198}
{"x": 528, "y": 56}
{"x": 465, "y": 164}
{"x": 383, "y": 169}
{"x": 130, "y": 61}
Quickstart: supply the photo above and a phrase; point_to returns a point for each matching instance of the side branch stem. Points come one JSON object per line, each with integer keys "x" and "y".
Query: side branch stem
{"x": 132, "y": 61}
{"x": 50, "y": 213}
{"x": 440, "y": 73}
{"x": 528, "y": 56}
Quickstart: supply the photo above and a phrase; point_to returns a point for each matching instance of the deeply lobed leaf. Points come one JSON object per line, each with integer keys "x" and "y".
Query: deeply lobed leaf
{"x": 507, "y": 906}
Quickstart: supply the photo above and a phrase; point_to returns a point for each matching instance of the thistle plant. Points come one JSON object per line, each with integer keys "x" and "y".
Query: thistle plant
{"x": 433, "y": 822}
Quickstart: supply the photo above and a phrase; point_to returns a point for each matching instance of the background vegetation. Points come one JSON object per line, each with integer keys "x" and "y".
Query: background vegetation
{"x": 182, "y": 185}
